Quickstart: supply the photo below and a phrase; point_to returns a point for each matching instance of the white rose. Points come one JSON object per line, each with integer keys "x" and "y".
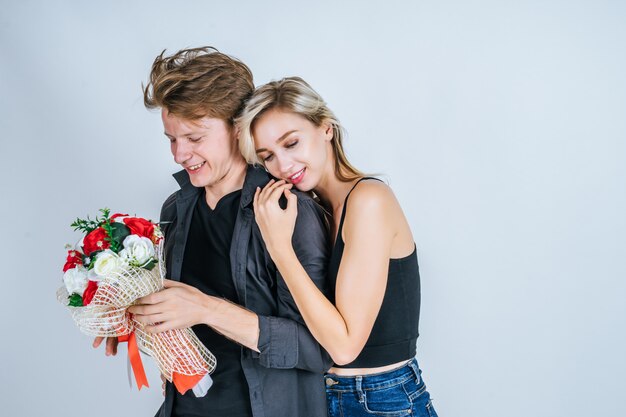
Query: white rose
{"x": 106, "y": 263}
{"x": 138, "y": 250}
{"x": 75, "y": 280}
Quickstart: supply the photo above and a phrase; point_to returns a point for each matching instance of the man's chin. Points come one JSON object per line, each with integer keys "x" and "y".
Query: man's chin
{"x": 199, "y": 183}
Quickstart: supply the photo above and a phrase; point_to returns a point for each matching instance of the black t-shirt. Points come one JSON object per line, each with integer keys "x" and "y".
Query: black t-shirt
{"x": 206, "y": 266}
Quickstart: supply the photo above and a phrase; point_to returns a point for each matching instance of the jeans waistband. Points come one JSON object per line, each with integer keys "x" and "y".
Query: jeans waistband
{"x": 373, "y": 381}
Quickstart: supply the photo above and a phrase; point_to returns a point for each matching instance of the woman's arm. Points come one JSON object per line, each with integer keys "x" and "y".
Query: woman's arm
{"x": 369, "y": 229}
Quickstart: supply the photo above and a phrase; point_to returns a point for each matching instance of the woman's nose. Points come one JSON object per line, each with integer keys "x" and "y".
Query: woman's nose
{"x": 285, "y": 166}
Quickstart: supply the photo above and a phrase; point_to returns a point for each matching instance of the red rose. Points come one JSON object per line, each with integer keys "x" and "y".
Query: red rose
{"x": 116, "y": 215}
{"x": 139, "y": 226}
{"x": 95, "y": 240}
{"x": 73, "y": 259}
{"x": 90, "y": 291}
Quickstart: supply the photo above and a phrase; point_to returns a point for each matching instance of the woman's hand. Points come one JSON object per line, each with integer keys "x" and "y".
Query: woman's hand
{"x": 176, "y": 306}
{"x": 276, "y": 224}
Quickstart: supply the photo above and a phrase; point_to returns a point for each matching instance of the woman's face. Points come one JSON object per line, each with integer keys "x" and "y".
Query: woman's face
{"x": 294, "y": 149}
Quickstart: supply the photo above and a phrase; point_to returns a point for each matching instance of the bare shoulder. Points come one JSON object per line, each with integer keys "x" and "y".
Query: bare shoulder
{"x": 371, "y": 221}
{"x": 372, "y": 204}
{"x": 373, "y": 194}
{"x": 374, "y": 211}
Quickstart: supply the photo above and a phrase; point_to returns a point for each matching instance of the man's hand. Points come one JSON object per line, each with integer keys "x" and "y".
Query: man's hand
{"x": 176, "y": 306}
{"x": 110, "y": 347}
{"x": 179, "y": 306}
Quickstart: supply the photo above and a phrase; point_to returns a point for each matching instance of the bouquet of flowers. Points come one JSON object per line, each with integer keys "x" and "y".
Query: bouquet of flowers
{"x": 118, "y": 261}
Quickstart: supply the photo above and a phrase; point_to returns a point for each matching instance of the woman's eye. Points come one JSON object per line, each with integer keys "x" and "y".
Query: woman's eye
{"x": 268, "y": 158}
{"x": 291, "y": 144}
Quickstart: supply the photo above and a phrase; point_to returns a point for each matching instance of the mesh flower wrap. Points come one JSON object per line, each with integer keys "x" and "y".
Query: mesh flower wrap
{"x": 175, "y": 351}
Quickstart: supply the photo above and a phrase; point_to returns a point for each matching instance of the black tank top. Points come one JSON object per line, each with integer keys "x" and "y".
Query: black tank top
{"x": 394, "y": 335}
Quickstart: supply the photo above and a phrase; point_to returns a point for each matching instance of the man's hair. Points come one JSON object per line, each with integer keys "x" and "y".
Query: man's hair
{"x": 199, "y": 82}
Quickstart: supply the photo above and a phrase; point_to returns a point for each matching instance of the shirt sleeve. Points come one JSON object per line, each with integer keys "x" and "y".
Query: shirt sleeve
{"x": 284, "y": 340}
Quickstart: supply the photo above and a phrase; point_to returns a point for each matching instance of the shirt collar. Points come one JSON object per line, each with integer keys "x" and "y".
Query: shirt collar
{"x": 255, "y": 177}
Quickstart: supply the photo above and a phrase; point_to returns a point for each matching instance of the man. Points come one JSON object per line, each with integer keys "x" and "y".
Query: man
{"x": 223, "y": 282}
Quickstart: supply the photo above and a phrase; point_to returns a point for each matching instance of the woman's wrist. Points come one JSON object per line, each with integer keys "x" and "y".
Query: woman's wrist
{"x": 282, "y": 255}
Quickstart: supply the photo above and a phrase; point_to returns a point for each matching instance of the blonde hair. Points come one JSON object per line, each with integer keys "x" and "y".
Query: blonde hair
{"x": 293, "y": 95}
{"x": 199, "y": 82}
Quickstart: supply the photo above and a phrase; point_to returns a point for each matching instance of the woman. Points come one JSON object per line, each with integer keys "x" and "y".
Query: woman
{"x": 371, "y": 329}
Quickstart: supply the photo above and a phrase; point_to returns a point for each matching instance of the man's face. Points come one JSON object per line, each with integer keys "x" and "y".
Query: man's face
{"x": 205, "y": 148}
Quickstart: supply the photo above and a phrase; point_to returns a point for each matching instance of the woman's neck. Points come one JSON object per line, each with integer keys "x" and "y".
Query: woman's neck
{"x": 333, "y": 192}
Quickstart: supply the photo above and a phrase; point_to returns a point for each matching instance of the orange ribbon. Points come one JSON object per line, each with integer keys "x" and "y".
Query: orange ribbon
{"x": 182, "y": 382}
{"x": 135, "y": 359}
{"x": 185, "y": 382}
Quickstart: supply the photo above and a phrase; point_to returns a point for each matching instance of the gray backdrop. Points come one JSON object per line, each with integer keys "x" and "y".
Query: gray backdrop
{"x": 499, "y": 124}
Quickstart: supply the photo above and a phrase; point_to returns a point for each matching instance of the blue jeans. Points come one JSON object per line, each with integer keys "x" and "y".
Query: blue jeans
{"x": 395, "y": 393}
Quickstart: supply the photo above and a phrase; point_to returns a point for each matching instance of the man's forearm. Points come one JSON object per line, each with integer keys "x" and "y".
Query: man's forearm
{"x": 233, "y": 321}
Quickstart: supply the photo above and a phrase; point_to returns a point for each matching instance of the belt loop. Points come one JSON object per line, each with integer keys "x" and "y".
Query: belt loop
{"x": 413, "y": 364}
{"x": 359, "y": 388}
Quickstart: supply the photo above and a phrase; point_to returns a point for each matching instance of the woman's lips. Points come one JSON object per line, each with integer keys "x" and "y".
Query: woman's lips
{"x": 297, "y": 177}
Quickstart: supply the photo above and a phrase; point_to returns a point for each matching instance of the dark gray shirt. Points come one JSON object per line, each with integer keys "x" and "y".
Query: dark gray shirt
{"x": 285, "y": 377}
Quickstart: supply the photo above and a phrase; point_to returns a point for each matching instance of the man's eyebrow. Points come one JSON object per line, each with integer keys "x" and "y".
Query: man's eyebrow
{"x": 280, "y": 139}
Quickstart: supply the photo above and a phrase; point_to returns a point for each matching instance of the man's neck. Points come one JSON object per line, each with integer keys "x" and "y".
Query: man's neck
{"x": 232, "y": 181}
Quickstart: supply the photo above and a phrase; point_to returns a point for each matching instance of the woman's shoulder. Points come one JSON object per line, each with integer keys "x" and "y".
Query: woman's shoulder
{"x": 371, "y": 210}
{"x": 369, "y": 201}
{"x": 371, "y": 191}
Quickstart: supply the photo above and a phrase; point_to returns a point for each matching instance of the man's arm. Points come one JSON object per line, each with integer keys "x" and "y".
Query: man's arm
{"x": 281, "y": 341}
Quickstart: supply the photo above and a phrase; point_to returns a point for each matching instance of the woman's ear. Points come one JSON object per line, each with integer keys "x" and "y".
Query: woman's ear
{"x": 328, "y": 130}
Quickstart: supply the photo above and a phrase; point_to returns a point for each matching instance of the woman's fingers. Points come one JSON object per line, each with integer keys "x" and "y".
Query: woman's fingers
{"x": 292, "y": 203}
{"x": 269, "y": 188}
{"x": 278, "y": 191}
{"x": 271, "y": 195}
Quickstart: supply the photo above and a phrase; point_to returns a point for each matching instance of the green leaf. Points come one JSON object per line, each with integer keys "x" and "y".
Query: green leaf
{"x": 149, "y": 265}
{"x": 117, "y": 234}
{"x": 86, "y": 226}
{"x": 75, "y": 300}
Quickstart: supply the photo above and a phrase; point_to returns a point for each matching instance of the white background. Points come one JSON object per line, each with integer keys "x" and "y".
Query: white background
{"x": 499, "y": 124}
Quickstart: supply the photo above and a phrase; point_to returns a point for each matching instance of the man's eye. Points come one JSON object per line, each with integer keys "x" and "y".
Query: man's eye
{"x": 195, "y": 139}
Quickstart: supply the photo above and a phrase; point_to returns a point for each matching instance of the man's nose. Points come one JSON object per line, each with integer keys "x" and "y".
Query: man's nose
{"x": 181, "y": 150}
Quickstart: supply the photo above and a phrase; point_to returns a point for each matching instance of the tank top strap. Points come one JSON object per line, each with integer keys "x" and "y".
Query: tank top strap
{"x": 345, "y": 203}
